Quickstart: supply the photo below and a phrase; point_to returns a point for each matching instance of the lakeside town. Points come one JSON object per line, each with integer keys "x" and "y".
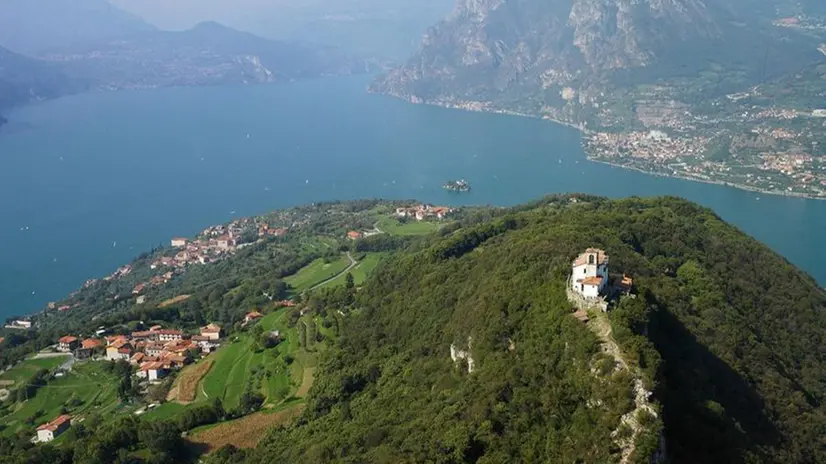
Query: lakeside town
{"x": 160, "y": 350}
{"x": 793, "y": 172}
{"x": 217, "y": 243}
{"x": 739, "y": 142}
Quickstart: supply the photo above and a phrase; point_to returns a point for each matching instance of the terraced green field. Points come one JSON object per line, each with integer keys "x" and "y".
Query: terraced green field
{"x": 393, "y": 227}
{"x": 164, "y": 411}
{"x": 26, "y": 369}
{"x": 362, "y": 270}
{"x": 235, "y": 364}
{"x": 86, "y": 388}
{"x": 316, "y": 272}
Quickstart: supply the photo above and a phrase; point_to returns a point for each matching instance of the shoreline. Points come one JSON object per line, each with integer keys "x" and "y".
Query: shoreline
{"x": 748, "y": 188}
{"x": 585, "y": 132}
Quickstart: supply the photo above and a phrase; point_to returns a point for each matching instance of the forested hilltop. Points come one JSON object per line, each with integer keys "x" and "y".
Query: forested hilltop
{"x": 728, "y": 333}
{"x": 446, "y": 337}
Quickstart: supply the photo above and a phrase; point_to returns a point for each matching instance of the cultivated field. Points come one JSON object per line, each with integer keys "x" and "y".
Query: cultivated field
{"x": 362, "y": 270}
{"x": 172, "y": 301}
{"x": 394, "y": 227}
{"x": 86, "y": 388}
{"x": 306, "y": 382}
{"x": 187, "y": 382}
{"x": 26, "y": 369}
{"x": 245, "y": 432}
{"x": 236, "y": 363}
{"x": 316, "y": 272}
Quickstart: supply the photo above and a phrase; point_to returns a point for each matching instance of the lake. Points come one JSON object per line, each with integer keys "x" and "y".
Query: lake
{"x": 90, "y": 181}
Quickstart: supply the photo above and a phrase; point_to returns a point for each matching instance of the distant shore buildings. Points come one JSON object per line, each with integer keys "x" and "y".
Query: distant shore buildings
{"x": 423, "y": 211}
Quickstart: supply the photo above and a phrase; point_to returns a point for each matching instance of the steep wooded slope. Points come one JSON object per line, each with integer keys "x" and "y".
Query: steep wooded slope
{"x": 727, "y": 333}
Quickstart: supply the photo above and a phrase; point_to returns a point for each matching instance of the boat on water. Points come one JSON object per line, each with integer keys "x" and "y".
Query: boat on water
{"x": 460, "y": 185}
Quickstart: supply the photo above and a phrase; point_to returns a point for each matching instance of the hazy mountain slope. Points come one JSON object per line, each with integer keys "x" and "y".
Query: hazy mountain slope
{"x": 729, "y": 333}
{"x": 207, "y": 54}
{"x": 389, "y": 29}
{"x": 28, "y": 26}
{"x": 23, "y": 79}
{"x": 532, "y": 55}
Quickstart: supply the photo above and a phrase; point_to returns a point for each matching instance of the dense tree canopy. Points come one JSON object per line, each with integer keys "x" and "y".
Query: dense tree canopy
{"x": 726, "y": 332}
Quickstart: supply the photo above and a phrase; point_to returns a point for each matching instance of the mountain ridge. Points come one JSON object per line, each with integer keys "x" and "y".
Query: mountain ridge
{"x": 29, "y": 26}
{"x": 207, "y": 54}
{"x": 24, "y": 79}
{"x": 560, "y": 57}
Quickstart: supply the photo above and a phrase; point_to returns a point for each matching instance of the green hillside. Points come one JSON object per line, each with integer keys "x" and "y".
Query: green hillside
{"x": 714, "y": 357}
{"x": 726, "y": 332}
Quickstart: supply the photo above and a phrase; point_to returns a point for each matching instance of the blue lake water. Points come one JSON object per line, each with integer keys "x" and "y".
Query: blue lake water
{"x": 88, "y": 182}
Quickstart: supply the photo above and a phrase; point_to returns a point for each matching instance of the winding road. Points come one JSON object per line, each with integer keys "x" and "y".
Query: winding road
{"x": 353, "y": 263}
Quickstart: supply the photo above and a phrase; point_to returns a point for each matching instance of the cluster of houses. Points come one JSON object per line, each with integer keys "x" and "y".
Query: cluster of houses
{"x": 120, "y": 272}
{"x": 423, "y": 211}
{"x": 214, "y": 242}
{"x": 199, "y": 251}
{"x": 264, "y": 230}
{"x": 19, "y": 324}
{"x": 155, "y": 352}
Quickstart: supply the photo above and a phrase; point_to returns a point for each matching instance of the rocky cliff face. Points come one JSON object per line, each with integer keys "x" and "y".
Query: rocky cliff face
{"x": 534, "y": 55}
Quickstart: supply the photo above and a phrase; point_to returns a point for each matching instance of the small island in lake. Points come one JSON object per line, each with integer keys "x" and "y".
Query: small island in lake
{"x": 457, "y": 186}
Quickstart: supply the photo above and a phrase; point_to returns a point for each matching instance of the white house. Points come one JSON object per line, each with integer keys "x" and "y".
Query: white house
{"x": 153, "y": 371}
{"x": 211, "y": 331}
{"x": 178, "y": 242}
{"x": 50, "y": 430}
{"x": 168, "y": 335}
{"x": 589, "y": 273}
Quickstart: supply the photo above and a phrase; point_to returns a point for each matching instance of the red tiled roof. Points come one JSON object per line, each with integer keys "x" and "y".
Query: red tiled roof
{"x": 254, "y": 315}
{"x": 601, "y": 257}
{"x": 148, "y": 366}
{"x": 67, "y": 339}
{"x": 595, "y": 280}
{"x": 169, "y": 332}
{"x": 91, "y": 343}
{"x": 211, "y": 328}
{"x": 55, "y": 424}
{"x": 119, "y": 343}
